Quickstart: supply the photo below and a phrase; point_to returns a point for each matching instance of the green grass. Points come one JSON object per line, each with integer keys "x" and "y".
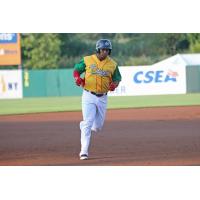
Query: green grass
{"x": 155, "y": 101}
{"x": 57, "y": 104}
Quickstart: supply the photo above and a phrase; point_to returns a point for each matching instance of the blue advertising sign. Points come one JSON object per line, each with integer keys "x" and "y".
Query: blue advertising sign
{"x": 158, "y": 76}
{"x": 7, "y": 38}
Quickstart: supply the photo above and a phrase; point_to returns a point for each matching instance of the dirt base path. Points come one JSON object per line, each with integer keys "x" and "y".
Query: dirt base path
{"x": 150, "y": 136}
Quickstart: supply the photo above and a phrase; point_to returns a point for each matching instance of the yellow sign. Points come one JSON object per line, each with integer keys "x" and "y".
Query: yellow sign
{"x": 3, "y": 84}
{"x": 26, "y": 78}
{"x": 10, "y": 50}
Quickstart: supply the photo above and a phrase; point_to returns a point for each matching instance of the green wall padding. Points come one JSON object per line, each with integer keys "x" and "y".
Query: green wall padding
{"x": 44, "y": 83}
{"x": 193, "y": 79}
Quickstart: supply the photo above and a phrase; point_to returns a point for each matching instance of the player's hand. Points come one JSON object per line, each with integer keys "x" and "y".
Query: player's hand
{"x": 78, "y": 81}
{"x": 112, "y": 86}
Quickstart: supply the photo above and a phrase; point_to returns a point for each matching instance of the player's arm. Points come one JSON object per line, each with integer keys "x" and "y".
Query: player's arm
{"x": 116, "y": 78}
{"x": 79, "y": 68}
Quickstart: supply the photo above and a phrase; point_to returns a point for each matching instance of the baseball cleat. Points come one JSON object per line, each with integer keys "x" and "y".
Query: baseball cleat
{"x": 84, "y": 157}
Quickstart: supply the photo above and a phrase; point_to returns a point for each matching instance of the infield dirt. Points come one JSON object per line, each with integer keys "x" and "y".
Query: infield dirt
{"x": 147, "y": 136}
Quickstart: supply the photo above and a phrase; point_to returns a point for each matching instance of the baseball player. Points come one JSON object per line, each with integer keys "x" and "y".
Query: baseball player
{"x": 101, "y": 74}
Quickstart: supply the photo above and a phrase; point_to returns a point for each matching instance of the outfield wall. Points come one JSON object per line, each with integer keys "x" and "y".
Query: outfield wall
{"x": 144, "y": 80}
{"x": 44, "y": 83}
{"x": 11, "y": 84}
{"x": 149, "y": 80}
{"x": 193, "y": 79}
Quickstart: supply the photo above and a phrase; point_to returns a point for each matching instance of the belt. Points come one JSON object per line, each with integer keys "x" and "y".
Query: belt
{"x": 96, "y": 94}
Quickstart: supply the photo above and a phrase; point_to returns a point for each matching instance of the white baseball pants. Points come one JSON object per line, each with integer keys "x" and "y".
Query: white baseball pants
{"x": 93, "y": 110}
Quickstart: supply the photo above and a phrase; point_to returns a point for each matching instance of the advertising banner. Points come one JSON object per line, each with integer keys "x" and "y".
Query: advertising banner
{"x": 10, "y": 52}
{"x": 148, "y": 80}
{"x": 10, "y": 84}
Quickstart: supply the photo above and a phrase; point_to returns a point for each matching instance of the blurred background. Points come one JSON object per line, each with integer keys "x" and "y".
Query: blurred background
{"x": 41, "y": 51}
{"x": 41, "y": 65}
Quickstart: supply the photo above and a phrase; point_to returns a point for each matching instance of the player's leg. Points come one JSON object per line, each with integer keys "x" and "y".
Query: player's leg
{"x": 100, "y": 114}
{"x": 89, "y": 112}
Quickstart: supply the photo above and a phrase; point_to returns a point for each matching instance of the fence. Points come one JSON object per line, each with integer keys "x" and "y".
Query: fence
{"x": 60, "y": 82}
{"x": 43, "y": 83}
{"x": 193, "y": 79}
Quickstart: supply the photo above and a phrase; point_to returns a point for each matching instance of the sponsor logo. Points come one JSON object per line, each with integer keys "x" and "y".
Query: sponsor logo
{"x": 121, "y": 89}
{"x": 2, "y": 52}
{"x": 7, "y": 52}
{"x": 2, "y": 85}
{"x": 8, "y": 38}
{"x": 159, "y": 76}
{"x": 10, "y": 86}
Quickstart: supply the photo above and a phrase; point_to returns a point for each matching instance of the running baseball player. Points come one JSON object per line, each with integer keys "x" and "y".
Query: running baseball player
{"x": 101, "y": 74}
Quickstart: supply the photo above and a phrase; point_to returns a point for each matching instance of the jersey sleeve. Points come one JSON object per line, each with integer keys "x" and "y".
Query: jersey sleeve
{"x": 116, "y": 77}
{"x": 80, "y": 67}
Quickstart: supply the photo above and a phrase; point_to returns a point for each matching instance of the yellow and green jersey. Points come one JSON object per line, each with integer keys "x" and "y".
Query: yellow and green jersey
{"x": 98, "y": 74}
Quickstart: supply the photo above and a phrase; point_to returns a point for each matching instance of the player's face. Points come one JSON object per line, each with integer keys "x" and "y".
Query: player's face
{"x": 103, "y": 53}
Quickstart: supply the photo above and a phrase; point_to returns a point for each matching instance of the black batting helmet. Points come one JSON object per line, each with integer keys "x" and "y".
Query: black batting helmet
{"x": 103, "y": 44}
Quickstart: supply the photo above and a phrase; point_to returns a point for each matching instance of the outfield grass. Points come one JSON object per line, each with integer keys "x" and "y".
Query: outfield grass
{"x": 56, "y": 104}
